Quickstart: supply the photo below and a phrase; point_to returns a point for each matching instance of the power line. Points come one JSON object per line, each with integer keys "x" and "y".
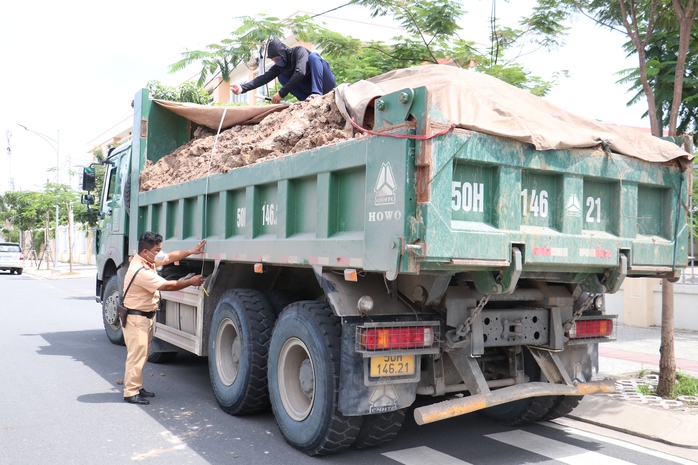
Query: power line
{"x": 330, "y": 11}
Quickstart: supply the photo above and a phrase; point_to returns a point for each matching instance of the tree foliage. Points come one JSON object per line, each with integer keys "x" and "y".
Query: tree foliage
{"x": 661, "y": 72}
{"x": 664, "y": 35}
{"x": 431, "y": 35}
{"x": 659, "y": 31}
{"x": 26, "y": 210}
{"x": 187, "y": 92}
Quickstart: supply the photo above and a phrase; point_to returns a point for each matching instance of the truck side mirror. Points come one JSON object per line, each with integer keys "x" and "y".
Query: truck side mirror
{"x": 87, "y": 199}
{"x": 88, "y": 182}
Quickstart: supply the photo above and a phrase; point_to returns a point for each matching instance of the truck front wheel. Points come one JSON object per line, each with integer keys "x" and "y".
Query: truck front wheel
{"x": 304, "y": 364}
{"x": 237, "y": 351}
{"x": 112, "y": 325}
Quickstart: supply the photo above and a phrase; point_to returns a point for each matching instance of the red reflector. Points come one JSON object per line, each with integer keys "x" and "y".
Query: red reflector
{"x": 591, "y": 328}
{"x": 409, "y": 337}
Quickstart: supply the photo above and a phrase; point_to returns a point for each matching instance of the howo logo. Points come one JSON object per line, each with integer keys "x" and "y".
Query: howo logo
{"x": 385, "y": 186}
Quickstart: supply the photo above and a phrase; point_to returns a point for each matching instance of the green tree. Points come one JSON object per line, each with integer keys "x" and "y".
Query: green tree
{"x": 225, "y": 56}
{"x": 636, "y": 20}
{"x": 25, "y": 210}
{"x": 640, "y": 20}
{"x": 661, "y": 70}
{"x": 660, "y": 33}
{"x": 187, "y": 92}
{"x": 432, "y": 35}
{"x": 686, "y": 13}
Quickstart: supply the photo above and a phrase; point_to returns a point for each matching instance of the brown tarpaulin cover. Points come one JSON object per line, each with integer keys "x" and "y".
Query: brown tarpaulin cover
{"x": 485, "y": 104}
{"x": 211, "y": 116}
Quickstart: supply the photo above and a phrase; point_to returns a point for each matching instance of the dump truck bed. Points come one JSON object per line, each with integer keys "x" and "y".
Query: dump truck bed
{"x": 404, "y": 201}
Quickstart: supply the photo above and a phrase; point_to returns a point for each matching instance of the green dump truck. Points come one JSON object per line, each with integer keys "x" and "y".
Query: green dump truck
{"x": 422, "y": 259}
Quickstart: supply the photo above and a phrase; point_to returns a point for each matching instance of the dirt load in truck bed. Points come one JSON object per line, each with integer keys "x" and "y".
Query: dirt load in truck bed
{"x": 302, "y": 126}
{"x": 470, "y": 100}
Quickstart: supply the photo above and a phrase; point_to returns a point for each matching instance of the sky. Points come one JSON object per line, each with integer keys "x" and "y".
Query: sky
{"x": 70, "y": 69}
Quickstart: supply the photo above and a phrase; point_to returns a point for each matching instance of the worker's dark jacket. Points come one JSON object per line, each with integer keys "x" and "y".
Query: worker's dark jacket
{"x": 296, "y": 67}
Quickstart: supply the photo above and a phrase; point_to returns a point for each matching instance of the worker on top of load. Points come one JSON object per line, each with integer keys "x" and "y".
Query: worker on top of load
{"x": 301, "y": 72}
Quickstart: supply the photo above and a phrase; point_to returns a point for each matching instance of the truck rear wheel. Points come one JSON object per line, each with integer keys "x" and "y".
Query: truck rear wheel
{"x": 562, "y": 405}
{"x": 379, "y": 429}
{"x": 237, "y": 351}
{"x": 112, "y": 324}
{"x": 521, "y": 412}
{"x": 280, "y": 299}
{"x": 161, "y": 357}
{"x": 304, "y": 364}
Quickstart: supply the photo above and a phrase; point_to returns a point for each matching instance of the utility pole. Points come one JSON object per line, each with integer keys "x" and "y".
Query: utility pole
{"x": 57, "y": 148}
{"x": 8, "y": 133}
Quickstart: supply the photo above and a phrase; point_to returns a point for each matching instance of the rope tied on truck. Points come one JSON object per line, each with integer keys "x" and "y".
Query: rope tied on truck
{"x": 211, "y": 279}
{"x": 450, "y": 128}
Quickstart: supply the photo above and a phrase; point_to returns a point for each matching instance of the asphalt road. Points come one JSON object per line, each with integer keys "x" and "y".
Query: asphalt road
{"x": 60, "y": 404}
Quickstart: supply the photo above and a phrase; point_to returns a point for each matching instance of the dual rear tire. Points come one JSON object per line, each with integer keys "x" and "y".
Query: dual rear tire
{"x": 304, "y": 367}
{"x": 295, "y": 369}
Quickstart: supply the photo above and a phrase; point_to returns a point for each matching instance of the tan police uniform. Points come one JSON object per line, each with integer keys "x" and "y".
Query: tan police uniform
{"x": 138, "y": 332}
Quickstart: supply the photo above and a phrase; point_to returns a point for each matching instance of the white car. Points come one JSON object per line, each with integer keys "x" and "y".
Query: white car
{"x": 11, "y": 257}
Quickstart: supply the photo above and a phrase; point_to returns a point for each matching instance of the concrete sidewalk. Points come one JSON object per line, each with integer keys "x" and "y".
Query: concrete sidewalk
{"x": 636, "y": 352}
{"x": 633, "y": 360}
{"x": 62, "y": 271}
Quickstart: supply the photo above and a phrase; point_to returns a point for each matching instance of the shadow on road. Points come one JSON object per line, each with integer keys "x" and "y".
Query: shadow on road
{"x": 185, "y": 406}
{"x": 100, "y": 398}
{"x": 184, "y": 402}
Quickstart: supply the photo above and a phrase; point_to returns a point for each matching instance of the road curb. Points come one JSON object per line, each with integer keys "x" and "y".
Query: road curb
{"x": 60, "y": 273}
{"x": 674, "y": 428}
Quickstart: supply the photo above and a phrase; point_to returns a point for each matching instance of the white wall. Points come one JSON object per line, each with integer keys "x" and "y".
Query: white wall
{"x": 83, "y": 245}
{"x": 639, "y": 303}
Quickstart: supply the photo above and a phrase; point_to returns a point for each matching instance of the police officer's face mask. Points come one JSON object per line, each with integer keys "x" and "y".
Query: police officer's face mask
{"x": 159, "y": 257}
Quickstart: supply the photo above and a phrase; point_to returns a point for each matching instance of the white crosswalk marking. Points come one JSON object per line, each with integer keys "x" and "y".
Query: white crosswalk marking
{"x": 559, "y": 424}
{"x": 553, "y": 449}
{"x": 424, "y": 456}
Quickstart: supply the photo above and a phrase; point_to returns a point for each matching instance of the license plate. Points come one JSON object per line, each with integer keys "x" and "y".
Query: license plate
{"x": 392, "y": 365}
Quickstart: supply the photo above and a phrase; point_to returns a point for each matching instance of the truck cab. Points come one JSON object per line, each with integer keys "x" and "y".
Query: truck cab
{"x": 111, "y": 239}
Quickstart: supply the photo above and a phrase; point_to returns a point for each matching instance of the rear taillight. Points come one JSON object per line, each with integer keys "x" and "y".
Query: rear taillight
{"x": 591, "y": 328}
{"x": 21, "y": 256}
{"x": 402, "y": 337}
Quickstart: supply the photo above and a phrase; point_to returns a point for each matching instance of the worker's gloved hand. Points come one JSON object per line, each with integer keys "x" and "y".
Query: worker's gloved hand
{"x": 236, "y": 89}
{"x": 276, "y": 98}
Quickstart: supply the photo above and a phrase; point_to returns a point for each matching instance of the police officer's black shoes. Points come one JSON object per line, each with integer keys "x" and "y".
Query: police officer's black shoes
{"x": 137, "y": 399}
{"x": 145, "y": 393}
